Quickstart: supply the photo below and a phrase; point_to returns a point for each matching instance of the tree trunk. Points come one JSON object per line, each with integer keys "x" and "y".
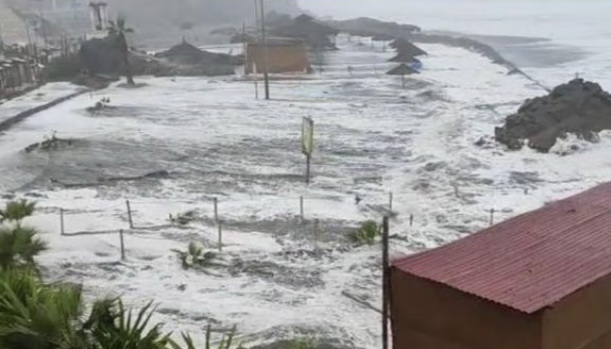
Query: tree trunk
{"x": 128, "y": 68}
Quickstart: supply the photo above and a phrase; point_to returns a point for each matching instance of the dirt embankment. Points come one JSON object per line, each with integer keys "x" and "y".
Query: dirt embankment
{"x": 578, "y": 107}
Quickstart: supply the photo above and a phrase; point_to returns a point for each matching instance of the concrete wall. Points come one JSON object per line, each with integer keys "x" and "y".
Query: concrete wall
{"x": 580, "y": 321}
{"x": 281, "y": 59}
{"x": 427, "y": 315}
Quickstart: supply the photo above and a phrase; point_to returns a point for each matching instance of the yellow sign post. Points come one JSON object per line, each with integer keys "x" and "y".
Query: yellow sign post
{"x": 307, "y": 143}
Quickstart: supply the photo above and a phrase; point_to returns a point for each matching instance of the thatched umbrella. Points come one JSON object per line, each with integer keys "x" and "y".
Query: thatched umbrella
{"x": 403, "y": 70}
{"x": 405, "y": 47}
{"x": 404, "y": 58}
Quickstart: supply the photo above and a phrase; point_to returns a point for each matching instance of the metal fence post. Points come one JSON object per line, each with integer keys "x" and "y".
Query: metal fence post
{"x": 122, "y": 245}
{"x": 61, "y": 221}
{"x": 129, "y": 214}
{"x": 216, "y": 210}
{"x": 220, "y": 227}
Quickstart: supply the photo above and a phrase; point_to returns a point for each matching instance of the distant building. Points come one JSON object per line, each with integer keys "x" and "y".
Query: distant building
{"x": 541, "y": 280}
{"x": 283, "y": 55}
{"x": 99, "y": 15}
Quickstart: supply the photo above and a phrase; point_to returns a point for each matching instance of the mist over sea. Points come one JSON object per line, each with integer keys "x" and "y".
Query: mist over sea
{"x": 577, "y": 32}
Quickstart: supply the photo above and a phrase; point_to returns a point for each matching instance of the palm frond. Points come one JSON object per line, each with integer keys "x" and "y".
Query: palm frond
{"x": 19, "y": 246}
{"x": 17, "y": 210}
{"x": 225, "y": 343}
{"x": 35, "y": 312}
{"x": 113, "y": 326}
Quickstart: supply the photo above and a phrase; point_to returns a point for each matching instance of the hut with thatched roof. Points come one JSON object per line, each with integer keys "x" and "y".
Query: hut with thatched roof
{"x": 402, "y": 70}
{"x": 187, "y": 54}
{"x": 402, "y": 45}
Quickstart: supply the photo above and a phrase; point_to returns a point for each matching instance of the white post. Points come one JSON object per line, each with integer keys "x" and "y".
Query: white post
{"x": 61, "y": 221}
{"x": 301, "y": 207}
{"x": 122, "y": 245}
{"x": 220, "y": 236}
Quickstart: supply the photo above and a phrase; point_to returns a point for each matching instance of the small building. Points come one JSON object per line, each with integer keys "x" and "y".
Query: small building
{"x": 283, "y": 55}
{"x": 541, "y": 280}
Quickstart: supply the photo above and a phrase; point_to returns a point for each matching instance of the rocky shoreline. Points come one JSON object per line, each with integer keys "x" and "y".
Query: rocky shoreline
{"x": 380, "y": 29}
{"x": 579, "y": 107}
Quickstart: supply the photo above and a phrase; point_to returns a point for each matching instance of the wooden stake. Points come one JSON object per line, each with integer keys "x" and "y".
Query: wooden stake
{"x": 385, "y": 284}
{"x": 411, "y": 220}
{"x": 491, "y": 216}
{"x": 122, "y": 245}
{"x": 61, "y": 221}
{"x": 301, "y": 207}
{"x": 220, "y": 236}
{"x": 129, "y": 214}
{"x": 216, "y": 210}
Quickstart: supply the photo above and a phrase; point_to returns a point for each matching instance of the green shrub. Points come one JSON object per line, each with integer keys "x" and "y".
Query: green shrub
{"x": 366, "y": 234}
{"x": 64, "y": 68}
{"x": 302, "y": 343}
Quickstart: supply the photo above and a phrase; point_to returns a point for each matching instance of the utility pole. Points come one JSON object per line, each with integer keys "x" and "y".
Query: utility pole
{"x": 265, "y": 58}
{"x": 385, "y": 284}
{"x": 43, "y": 27}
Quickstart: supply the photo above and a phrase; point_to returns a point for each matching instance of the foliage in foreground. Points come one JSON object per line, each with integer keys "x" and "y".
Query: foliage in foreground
{"x": 225, "y": 343}
{"x": 37, "y": 315}
{"x": 303, "y": 343}
{"x": 366, "y": 234}
{"x": 17, "y": 211}
{"x": 18, "y": 245}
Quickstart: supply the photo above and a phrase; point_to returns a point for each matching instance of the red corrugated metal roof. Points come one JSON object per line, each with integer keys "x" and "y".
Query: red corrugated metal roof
{"x": 529, "y": 262}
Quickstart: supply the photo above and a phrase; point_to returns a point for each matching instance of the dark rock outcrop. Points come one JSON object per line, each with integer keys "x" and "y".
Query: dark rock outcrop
{"x": 578, "y": 107}
{"x": 372, "y": 27}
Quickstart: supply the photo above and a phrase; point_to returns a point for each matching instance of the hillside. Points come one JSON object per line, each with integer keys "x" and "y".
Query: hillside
{"x": 13, "y": 27}
{"x": 170, "y": 15}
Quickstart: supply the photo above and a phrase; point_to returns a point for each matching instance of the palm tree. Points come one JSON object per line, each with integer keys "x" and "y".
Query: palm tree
{"x": 18, "y": 247}
{"x": 119, "y": 31}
